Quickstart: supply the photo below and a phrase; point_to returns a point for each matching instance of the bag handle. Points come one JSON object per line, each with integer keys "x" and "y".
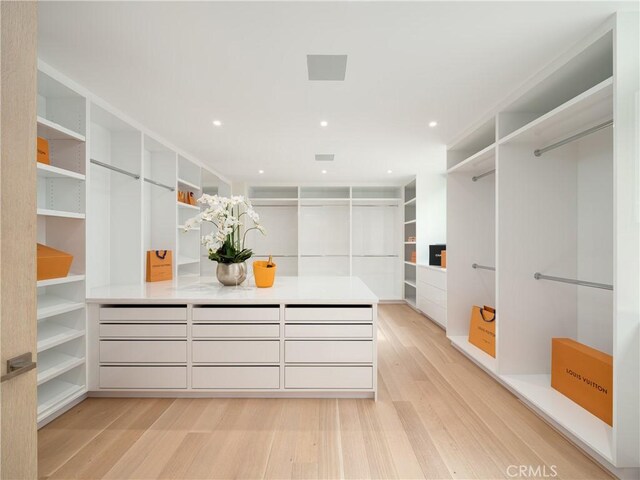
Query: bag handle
{"x": 164, "y": 254}
{"x": 492, "y": 313}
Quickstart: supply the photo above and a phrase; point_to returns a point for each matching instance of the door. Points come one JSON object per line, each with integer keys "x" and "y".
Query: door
{"x": 18, "y": 392}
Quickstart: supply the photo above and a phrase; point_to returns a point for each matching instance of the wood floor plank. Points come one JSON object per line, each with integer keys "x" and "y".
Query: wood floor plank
{"x": 437, "y": 416}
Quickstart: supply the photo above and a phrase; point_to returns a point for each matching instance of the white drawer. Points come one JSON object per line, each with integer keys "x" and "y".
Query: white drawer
{"x": 143, "y": 314}
{"x": 236, "y": 377}
{"x": 432, "y": 310}
{"x": 142, "y": 351}
{"x": 231, "y": 314}
{"x": 328, "y": 351}
{"x": 328, "y": 377}
{"x": 142, "y": 330}
{"x": 225, "y": 330}
{"x": 434, "y": 277}
{"x": 143, "y": 377}
{"x": 315, "y": 314}
{"x": 433, "y": 294}
{"x": 329, "y": 330}
{"x": 236, "y": 351}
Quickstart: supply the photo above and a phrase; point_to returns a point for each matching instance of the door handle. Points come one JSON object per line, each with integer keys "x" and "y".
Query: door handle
{"x": 18, "y": 365}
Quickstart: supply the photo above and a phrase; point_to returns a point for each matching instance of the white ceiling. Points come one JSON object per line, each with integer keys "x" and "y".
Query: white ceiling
{"x": 175, "y": 67}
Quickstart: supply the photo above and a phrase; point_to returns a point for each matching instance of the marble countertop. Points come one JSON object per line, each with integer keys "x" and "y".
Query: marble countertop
{"x": 207, "y": 290}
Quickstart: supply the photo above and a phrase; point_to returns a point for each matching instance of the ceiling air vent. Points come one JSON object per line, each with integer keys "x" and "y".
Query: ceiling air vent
{"x": 327, "y": 67}
{"x": 324, "y": 157}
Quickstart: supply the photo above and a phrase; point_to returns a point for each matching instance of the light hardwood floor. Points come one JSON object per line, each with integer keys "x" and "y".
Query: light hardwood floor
{"x": 438, "y": 416}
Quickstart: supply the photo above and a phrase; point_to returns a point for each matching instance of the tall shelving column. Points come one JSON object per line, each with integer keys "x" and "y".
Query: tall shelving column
{"x": 410, "y": 242}
{"x": 188, "y": 250}
{"x": 61, "y": 193}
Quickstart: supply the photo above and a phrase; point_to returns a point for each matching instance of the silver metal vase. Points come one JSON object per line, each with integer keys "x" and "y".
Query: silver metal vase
{"x": 231, "y": 274}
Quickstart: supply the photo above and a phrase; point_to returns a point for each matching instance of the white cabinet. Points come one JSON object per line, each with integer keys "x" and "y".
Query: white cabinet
{"x": 328, "y": 351}
{"x": 328, "y": 377}
{"x": 243, "y": 377}
{"x": 432, "y": 293}
{"x": 236, "y": 351}
{"x": 140, "y": 378}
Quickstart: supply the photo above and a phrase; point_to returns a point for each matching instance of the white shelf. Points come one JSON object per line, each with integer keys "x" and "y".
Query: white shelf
{"x": 50, "y": 305}
{"x": 52, "y": 131}
{"x": 187, "y": 206}
{"x": 412, "y": 284}
{"x": 483, "y": 160}
{"x": 486, "y": 361}
{"x": 52, "y": 364}
{"x": 192, "y": 229}
{"x": 409, "y": 243}
{"x": 410, "y": 221}
{"x": 537, "y": 391}
{"x": 188, "y": 184}
{"x": 411, "y": 201}
{"x": 51, "y": 335}
{"x": 59, "y": 213}
{"x": 48, "y": 171}
{"x": 53, "y": 394}
{"x": 410, "y": 263}
{"x": 433, "y": 267}
{"x": 182, "y": 260}
{"x": 71, "y": 278}
{"x": 587, "y": 109}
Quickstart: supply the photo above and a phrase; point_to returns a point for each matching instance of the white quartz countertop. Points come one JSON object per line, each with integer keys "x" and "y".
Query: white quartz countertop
{"x": 207, "y": 290}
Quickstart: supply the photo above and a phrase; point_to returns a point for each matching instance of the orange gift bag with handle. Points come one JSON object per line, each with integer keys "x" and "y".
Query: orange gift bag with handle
{"x": 482, "y": 329}
{"x": 159, "y": 265}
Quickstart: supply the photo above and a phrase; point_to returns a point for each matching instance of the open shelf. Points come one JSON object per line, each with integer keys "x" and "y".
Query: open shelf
{"x": 53, "y": 131}
{"x": 413, "y": 284}
{"x": 585, "y": 110}
{"x": 483, "y": 160}
{"x": 410, "y": 221}
{"x": 45, "y": 212}
{"x": 52, "y": 364}
{"x": 537, "y": 392}
{"x": 486, "y": 361}
{"x": 71, "y": 278}
{"x": 188, "y": 184}
{"x": 54, "y": 393}
{"x": 410, "y": 201}
{"x": 187, "y": 206}
{"x": 49, "y": 171}
{"x": 52, "y": 334}
{"x": 50, "y": 305}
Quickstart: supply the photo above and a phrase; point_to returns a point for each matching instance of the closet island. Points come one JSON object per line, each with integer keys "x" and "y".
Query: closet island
{"x": 304, "y": 337}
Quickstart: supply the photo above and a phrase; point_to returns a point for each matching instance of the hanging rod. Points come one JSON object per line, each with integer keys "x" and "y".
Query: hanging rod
{"x": 604, "y": 286}
{"x": 478, "y": 177}
{"x": 158, "y": 184}
{"x": 483, "y": 267}
{"x": 589, "y": 131}
{"x": 115, "y": 169}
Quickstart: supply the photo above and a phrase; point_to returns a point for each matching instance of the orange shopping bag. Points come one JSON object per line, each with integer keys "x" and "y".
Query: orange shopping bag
{"x": 159, "y": 265}
{"x": 482, "y": 330}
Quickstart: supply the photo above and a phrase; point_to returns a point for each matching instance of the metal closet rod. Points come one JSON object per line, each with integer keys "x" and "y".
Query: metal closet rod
{"x": 115, "y": 169}
{"x": 604, "y": 286}
{"x": 158, "y": 184}
{"x": 478, "y": 177}
{"x": 483, "y": 267}
{"x": 588, "y": 131}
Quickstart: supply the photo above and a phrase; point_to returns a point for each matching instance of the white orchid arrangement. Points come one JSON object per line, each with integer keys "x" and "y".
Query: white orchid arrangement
{"x": 226, "y": 244}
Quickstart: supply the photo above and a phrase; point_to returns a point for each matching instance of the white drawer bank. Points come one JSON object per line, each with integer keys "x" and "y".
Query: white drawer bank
{"x": 432, "y": 293}
{"x": 305, "y": 337}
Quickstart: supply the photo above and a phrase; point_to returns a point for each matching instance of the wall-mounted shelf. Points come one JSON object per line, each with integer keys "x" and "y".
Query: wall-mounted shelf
{"x": 52, "y": 364}
{"x": 45, "y": 212}
{"x": 52, "y": 334}
{"x": 185, "y": 183}
{"x": 53, "y": 131}
{"x": 71, "y": 278}
{"x": 51, "y": 305}
{"x": 187, "y": 206}
{"x": 49, "y": 171}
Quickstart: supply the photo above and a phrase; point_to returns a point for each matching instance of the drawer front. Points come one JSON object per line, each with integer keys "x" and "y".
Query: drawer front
{"x": 223, "y": 330}
{"x": 328, "y": 351}
{"x": 436, "y": 278}
{"x": 226, "y": 314}
{"x": 143, "y": 314}
{"x": 143, "y": 330}
{"x": 328, "y": 377}
{"x": 141, "y": 351}
{"x": 329, "y": 330}
{"x": 236, "y": 377}
{"x": 143, "y": 377}
{"x": 433, "y": 294}
{"x": 433, "y": 311}
{"x": 322, "y": 314}
{"x": 236, "y": 351}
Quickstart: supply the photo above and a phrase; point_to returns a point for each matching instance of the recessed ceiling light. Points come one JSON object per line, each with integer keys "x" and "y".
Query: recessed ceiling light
{"x": 260, "y": 172}
{"x": 324, "y": 123}
{"x": 324, "y": 171}
{"x": 433, "y": 124}
{"x": 217, "y": 123}
{"x": 389, "y": 171}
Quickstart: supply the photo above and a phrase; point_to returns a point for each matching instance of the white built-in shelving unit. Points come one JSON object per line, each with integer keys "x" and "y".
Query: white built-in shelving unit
{"x": 332, "y": 230}
{"x": 541, "y": 188}
{"x": 410, "y": 243}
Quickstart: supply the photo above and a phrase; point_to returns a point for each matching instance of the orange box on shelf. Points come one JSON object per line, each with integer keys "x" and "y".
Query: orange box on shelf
{"x": 583, "y": 374}
{"x": 443, "y": 259}
{"x": 52, "y": 263}
{"x": 413, "y": 257}
{"x": 482, "y": 329}
{"x": 159, "y": 265}
{"x": 43, "y": 151}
